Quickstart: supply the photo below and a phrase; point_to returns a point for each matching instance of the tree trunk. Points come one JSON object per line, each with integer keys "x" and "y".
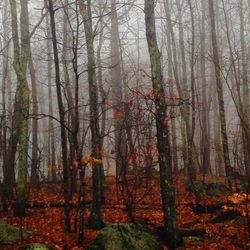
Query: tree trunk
{"x": 95, "y": 220}
{"x": 173, "y": 123}
{"x": 51, "y": 134}
{"x": 6, "y": 65}
{"x": 245, "y": 116}
{"x": 163, "y": 142}
{"x": 34, "y": 159}
{"x": 22, "y": 94}
{"x": 72, "y": 104}
{"x": 205, "y": 146}
{"x": 66, "y": 173}
{"x": 117, "y": 91}
{"x": 220, "y": 95}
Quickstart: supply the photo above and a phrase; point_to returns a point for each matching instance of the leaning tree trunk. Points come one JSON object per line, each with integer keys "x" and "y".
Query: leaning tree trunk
{"x": 163, "y": 142}
{"x": 95, "y": 220}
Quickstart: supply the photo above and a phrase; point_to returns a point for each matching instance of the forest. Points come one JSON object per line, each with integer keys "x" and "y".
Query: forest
{"x": 124, "y": 125}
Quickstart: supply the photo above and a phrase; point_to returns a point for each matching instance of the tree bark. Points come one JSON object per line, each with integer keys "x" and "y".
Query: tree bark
{"x": 51, "y": 133}
{"x": 66, "y": 173}
{"x": 22, "y": 95}
{"x": 205, "y": 147}
{"x": 219, "y": 87}
{"x": 95, "y": 220}
{"x": 163, "y": 142}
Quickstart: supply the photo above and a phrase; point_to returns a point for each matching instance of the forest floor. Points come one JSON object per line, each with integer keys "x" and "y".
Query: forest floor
{"x": 47, "y": 223}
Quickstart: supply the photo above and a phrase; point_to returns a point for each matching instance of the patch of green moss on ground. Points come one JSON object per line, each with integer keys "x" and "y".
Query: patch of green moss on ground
{"x": 10, "y": 234}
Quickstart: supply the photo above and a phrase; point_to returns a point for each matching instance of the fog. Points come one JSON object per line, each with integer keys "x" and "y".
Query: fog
{"x": 126, "y": 59}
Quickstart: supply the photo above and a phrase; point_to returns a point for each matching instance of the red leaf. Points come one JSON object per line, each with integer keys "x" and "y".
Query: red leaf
{"x": 165, "y": 121}
{"x": 130, "y": 104}
{"x": 117, "y": 114}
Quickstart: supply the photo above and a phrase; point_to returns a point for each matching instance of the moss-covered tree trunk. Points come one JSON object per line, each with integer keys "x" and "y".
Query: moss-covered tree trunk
{"x": 22, "y": 94}
{"x": 95, "y": 220}
{"x": 163, "y": 142}
{"x": 20, "y": 65}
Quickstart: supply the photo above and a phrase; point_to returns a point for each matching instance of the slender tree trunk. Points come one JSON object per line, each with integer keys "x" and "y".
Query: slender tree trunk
{"x": 61, "y": 117}
{"x": 185, "y": 126}
{"x": 51, "y": 134}
{"x": 72, "y": 104}
{"x": 4, "y": 88}
{"x": 173, "y": 123}
{"x": 246, "y": 102}
{"x": 117, "y": 91}
{"x": 191, "y": 153}
{"x": 95, "y": 221}
{"x": 205, "y": 146}
{"x": 34, "y": 159}
{"x": 101, "y": 87}
{"x": 220, "y": 95}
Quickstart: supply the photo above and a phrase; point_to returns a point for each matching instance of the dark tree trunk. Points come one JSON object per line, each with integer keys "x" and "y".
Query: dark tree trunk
{"x": 163, "y": 142}
{"x": 95, "y": 220}
{"x": 61, "y": 116}
{"x": 220, "y": 95}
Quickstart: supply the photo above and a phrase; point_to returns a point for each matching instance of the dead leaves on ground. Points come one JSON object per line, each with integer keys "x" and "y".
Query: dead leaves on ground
{"x": 48, "y": 223}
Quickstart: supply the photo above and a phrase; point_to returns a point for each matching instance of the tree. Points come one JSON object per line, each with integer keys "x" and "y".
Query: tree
{"x": 95, "y": 220}
{"x": 51, "y": 133}
{"x": 34, "y": 159}
{"x": 205, "y": 147}
{"x": 219, "y": 88}
{"x": 163, "y": 143}
{"x": 73, "y": 102}
{"x": 5, "y": 79}
{"x": 22, "y": 97}
{"x": 117, "y": 91}
{"x": 66, "y": 174}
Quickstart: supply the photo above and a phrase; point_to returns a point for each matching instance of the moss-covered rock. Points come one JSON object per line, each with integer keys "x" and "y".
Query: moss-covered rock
{"x": 34, "y": 246}
{"x": 124, "y": 237}
{"x": 10, "y": 234}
